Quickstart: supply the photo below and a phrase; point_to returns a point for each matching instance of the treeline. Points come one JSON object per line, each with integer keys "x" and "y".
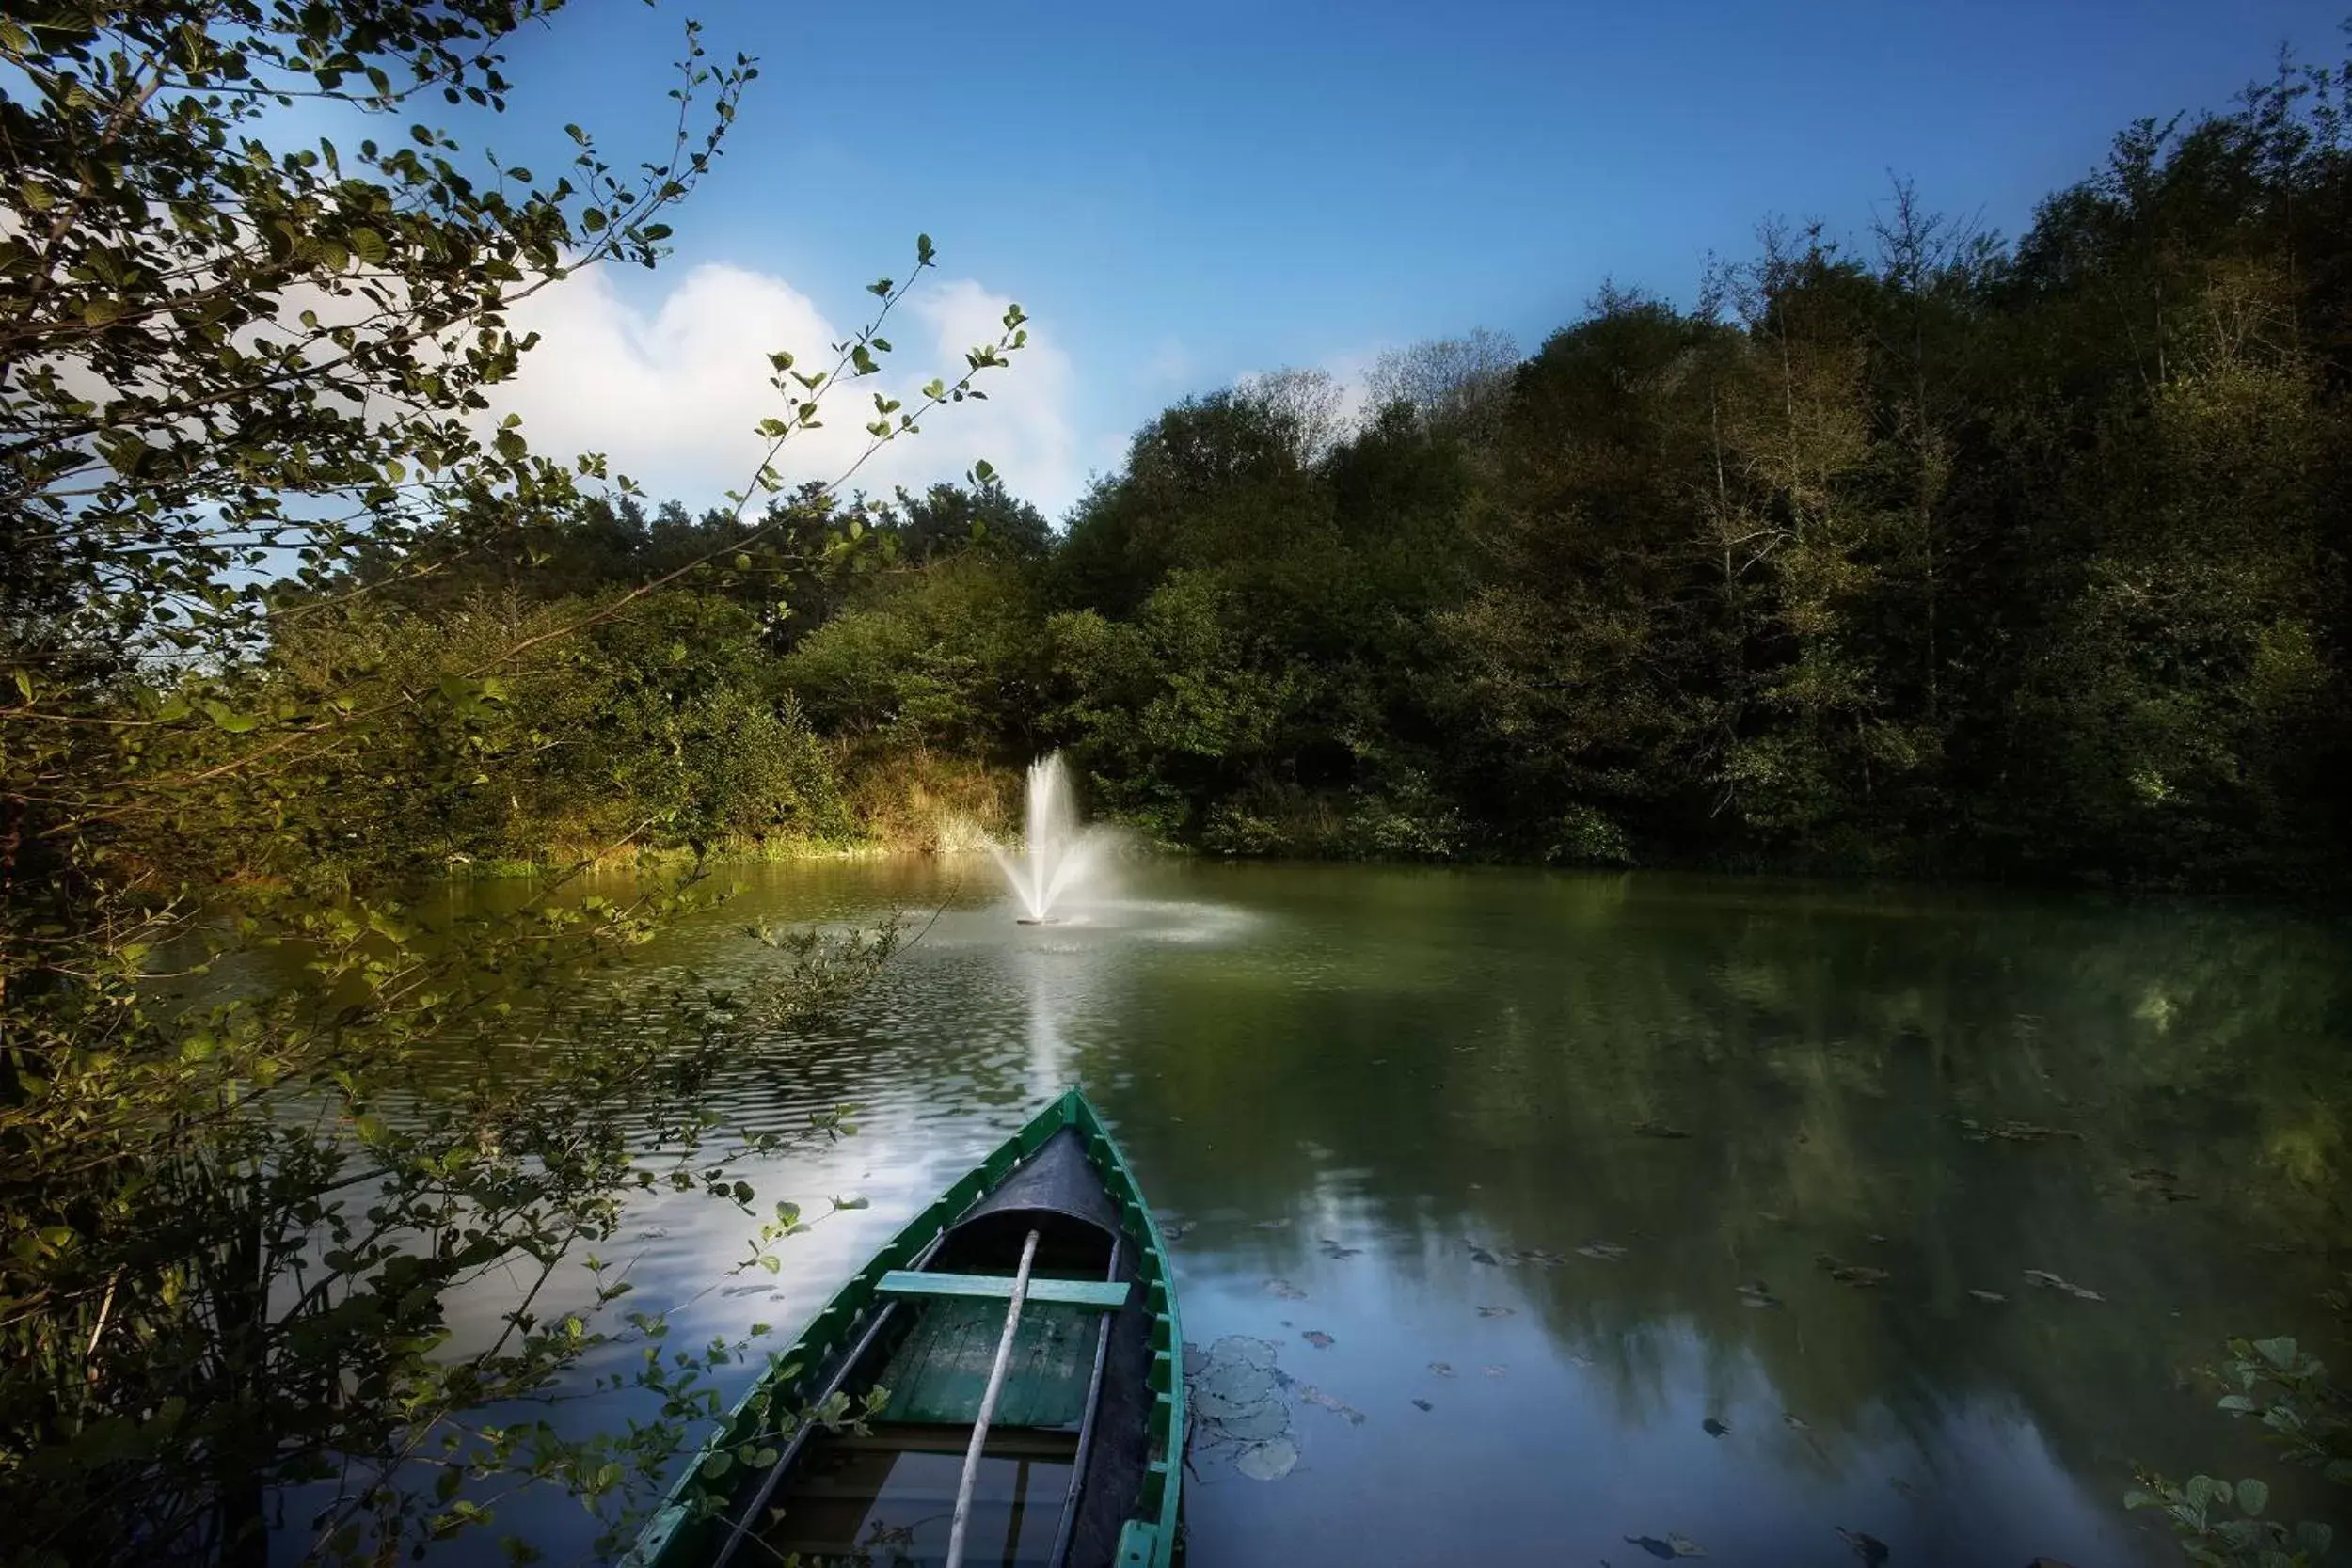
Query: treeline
{"x": 1927, "y": 553}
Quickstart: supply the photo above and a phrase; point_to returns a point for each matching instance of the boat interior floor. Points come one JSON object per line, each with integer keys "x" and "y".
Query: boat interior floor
{"x": 887, "y": 1499}
{"x": 940, "y": 1369}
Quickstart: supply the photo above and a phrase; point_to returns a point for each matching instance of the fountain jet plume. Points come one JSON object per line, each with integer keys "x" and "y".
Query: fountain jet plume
{"x": 1057, "y": 853}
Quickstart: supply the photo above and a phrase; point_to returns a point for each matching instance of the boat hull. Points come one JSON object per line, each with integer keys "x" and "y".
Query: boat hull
{"x": 1130, "y": 1509}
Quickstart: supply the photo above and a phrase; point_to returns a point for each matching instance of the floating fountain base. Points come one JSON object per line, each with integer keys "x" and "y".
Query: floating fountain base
{"x": 1035, "y": 920}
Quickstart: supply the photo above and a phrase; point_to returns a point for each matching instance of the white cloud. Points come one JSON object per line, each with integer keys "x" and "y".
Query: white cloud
{"x": 672, "y": 397}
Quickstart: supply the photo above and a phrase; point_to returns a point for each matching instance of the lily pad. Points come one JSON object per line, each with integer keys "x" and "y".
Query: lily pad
{"x": 1994, "y": 1296}
{"x": 1480, "y": 1255}
{"x": 1424, "y": 1405}
{"x": 2014, "y": 1132}
{"x": 1268, "y": 1460}
{"x": 1869, "y": 1548}
{"x": 1498, "y": 1311}
{"x": 1316, "y": 1337}
{"x": 1850, "y": 1274}
{"x": 1272, "y": 1225}
{"x": 1245, "y": 1348}
{"x": 2049, "y": 1281}
{"x": 1714, "y": 1428}
{"x": 1332, "y": 1249}
{"x": 1795, "y": 1423}
{"x": 1608, "y": 1252}
{"x": 1257, "y": 1423}
{"x": 1283, "y": 1289}
{"x": 1535, "y": 1255}
{"x": 1653, "y": 1546}
{"x": 1337, "y": 1407}
{"x": 1754, "y": 1294}
{"x": 1236, "y": 1383}
{"x": 1684, "y": 1545}
{"x": 1196, "y": 1359}
{"x": 1443, "y": 1369}
{"x": 2161, "y": 1184}
{"x": 1657, "y": 1130}
{"x": 1216, "y": 1407}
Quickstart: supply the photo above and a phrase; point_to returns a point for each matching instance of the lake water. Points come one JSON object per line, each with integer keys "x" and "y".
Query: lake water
{"x": 1618, "y": 1208}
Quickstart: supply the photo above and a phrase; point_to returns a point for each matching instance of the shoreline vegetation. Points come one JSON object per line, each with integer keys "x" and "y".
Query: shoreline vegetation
{"x": 1925, "y": 553}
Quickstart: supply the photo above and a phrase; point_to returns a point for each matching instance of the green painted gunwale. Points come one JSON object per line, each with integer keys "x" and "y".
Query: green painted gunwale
{"x": 674, "y": 1539}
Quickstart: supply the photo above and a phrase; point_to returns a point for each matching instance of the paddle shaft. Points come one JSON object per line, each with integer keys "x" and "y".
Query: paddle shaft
{"x": 988, "y": 1405}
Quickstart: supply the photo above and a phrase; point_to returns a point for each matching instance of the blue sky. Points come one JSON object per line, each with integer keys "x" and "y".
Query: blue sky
{"x": 1181, "y": 193}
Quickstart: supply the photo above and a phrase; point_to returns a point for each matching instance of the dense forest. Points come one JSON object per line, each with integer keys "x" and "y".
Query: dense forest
{"x": 1928, "y": 553}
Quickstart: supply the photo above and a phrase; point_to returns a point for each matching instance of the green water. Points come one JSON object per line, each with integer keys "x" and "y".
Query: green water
{"x": 1365, "y": 1097}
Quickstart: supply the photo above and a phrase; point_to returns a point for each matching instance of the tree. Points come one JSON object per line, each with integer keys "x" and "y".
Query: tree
{"x": 1308, "y": 406}
{"x": 1455, "y": 386}
{"x": 249, "y": 396}
{"x": 948, "y": 518}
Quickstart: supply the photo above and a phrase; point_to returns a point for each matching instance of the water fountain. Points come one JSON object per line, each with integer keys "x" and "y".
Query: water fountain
{"x": 1057, "y": 853}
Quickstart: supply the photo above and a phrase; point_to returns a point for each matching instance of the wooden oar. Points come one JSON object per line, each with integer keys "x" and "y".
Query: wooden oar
{"x": 988, "y": 1405}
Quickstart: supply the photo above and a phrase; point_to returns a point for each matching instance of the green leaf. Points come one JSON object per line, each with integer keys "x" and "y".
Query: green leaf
{"x": 227, "y": 719}
{"x": 718, "y": 1464}
{"x": 2252, "y": 1498}
{"x": 24, "y": 682}
{"x": 369, "y": 247}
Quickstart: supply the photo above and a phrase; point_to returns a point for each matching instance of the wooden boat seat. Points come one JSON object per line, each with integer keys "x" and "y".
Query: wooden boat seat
{"x": 1102, "y": 1296}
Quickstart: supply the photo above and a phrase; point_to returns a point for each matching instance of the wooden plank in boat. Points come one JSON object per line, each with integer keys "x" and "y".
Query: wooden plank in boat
{"x": 941, "y": 1370}
{"x": 1102, "y": 1294}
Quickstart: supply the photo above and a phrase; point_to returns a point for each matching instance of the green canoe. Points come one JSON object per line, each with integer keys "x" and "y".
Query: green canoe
{"x": 1082, "y": 1462}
